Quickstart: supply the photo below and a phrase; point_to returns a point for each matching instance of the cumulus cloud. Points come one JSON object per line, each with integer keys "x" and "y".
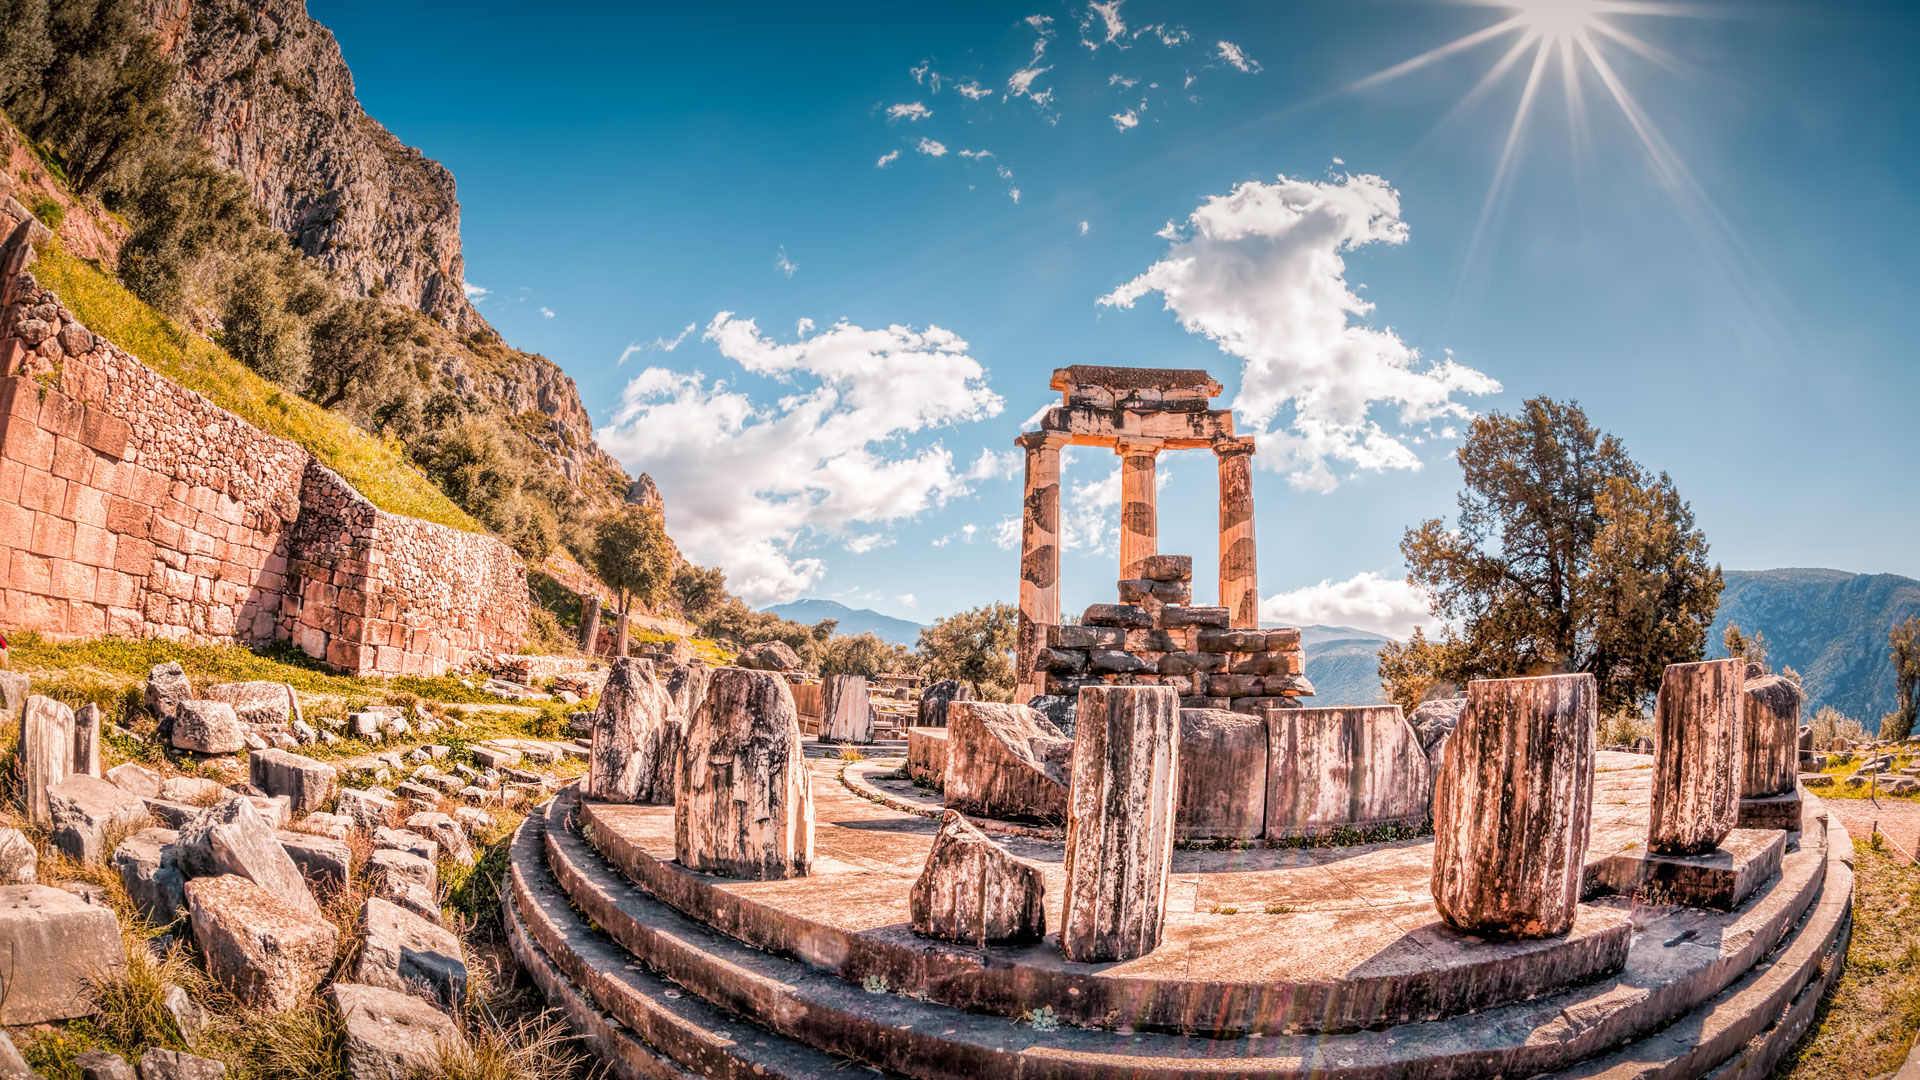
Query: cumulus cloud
{"x": 474, "y": 292}
{"x": 546, "y": 312}
{"x": 887, "y": 159}
{"x": 1109, "y": 22}
{"x": 757, "y": 488}
{"x": 911, "y": 110}
{"x": 976, "y": 154}
{"x": 1083, "y": 228}
{"x": 932, "y": 147}
{"x": 1232, "y": 54}
{"x": 1262, "y": 272}
{"x": 1125, "y": 120}
{"x": 972, "y": 91}
{"x": 783, "y": 265}
{"x": 1368, "y": 600}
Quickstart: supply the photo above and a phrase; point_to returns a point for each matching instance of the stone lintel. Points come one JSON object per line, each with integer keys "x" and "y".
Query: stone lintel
{"x": 1122, "y": 379}
{"x": 1721, "y": 879}
{"x": 1104, "y": 427}
{"x": 1238, "y": 444}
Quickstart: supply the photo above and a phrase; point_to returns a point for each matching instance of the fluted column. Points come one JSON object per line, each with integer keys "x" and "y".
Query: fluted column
{"x": 1139, "y": 519}
{"x": 1039, "y": 555}
{"x": 1239, "y": 579}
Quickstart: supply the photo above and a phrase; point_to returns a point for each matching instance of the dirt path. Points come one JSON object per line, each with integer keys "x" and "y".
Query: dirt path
{"x": 1898, "y": 820}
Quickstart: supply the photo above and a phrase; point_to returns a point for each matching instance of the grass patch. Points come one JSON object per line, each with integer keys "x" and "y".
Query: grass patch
{"x": 1867, "y": 1023}
{"x": 378, "y": 470}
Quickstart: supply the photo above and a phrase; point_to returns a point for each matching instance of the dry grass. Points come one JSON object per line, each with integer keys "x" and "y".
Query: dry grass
{"x": 532, "y": 1047}
{"x": 1868, "y": 1021}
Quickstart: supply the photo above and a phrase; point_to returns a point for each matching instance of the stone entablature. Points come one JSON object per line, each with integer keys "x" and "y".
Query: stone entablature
{"x": 130, "y": 505}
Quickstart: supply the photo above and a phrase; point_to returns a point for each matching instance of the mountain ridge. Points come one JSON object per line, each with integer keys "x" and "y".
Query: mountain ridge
{"x": 851, "y": 620}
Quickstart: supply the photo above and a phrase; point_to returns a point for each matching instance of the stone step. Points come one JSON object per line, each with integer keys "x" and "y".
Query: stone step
{"x": 935, "y": 1042}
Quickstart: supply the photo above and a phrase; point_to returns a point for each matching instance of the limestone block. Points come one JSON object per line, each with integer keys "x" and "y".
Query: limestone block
{"x": 337, "y": 826}
{"x": 194, "y": 790}
{"x": 769, "y": 656}
{"x": 444, "y": 831}
{"x": 1699, "y": 721}
{"x": 1180, "y": 616}
{"x": 45, "y": 754}
{"x": 495, "y": 757}
{"x": 86, "y": 740}
{"x": 402, "y": 951}
{"x": 232, "y": 838}
{"x": 1082, "y": 637}
{"x": 1166, "y": 568}
{"x": 1358, "y": 767}
{"x": 86, "y": 810}
{"x": 1506, "y": 865}
{"x": 1432, "y": 722}
{"x": 1004, "y": 761}
{"x": 935, "y": 699}
{"x": 638, "y": 736}
{"x": 18, "y": 859}
{"x": 307, "y": 784}
{"x": 160, "y": 1064}
{"x": 1223, "y": 775}
{"x": 687, "y": 686}
{"x": 149, "y": 866}
{"x": 1117, "y": 662}
{"x": 846, "y": 710}
{"x": 136, "y": 779}
{"x": 167, "y": 686}
{"x": 973, "y": 891}
{"x": 406, "y": 840}
{"x": 208, "y": 727}
{"x": 403, "y": 866}
{"x": 927, "y": 755}
{"x": 367, "y": 809}
{"x": 389, "y": 1035}
{"x": 1120, "y": 824}
{"x": 320, "y": 858}
{"x": 258, "y": 702}
{"x": 744, "y": 805}
{"x": 1124, "y": 616}
{"x": 1771, "y": 743}
{"x": 95, "y": 1064}
{"x": 269, "y": 953}
{"x": 51, "y": 943}
{"x": 15, "y": 688}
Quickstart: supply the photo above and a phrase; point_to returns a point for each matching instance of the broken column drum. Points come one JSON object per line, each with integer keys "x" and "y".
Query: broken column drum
{"x": 637, "y": 738}
{"x": 1697, "y": 765}
{"x": 846, "y": 710}
{"x": 1120, "y": 822}
{"x": 1513, "y": 805}
{"x": 1771, "y": 747}
{"x": 973, "y": 891}
{"x": 744, "y": 804}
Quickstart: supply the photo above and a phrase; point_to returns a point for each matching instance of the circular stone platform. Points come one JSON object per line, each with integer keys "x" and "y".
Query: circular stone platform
{"x": 1275, "y": 962}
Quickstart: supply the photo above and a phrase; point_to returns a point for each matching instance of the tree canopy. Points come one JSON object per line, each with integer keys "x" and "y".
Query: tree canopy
{"x": 1567, "y": 556}
{"x": 632, "y": 554}
{"x": 1903, "y": 642}
{"x": 974, "y": 646}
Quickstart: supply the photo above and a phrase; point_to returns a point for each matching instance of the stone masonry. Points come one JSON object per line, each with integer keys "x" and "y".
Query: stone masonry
{"x": 130, "y": 505}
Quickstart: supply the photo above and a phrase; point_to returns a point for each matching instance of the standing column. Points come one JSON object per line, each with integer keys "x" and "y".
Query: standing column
{"x": 1239, "y": 580}
{"x": 1697, "y": 747}
{"x": 1039, "y": 556}
{"x": 1139, "y": 520}
{"x": 590, "y": 626}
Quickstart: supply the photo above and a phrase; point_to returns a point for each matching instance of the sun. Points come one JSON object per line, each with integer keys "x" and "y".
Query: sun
{"x": 1553, "y": 21}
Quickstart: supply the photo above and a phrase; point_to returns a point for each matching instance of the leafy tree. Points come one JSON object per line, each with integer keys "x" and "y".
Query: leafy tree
{"x": 974, "y": 646}
{"x": 1567, "y": 556}
{"x": 1410, "y": 673}
{"x": 633, "y": 556}
{"x": 862, "y": 654}
{"x": 365, "y": 354}
{"x": 698, "y": 591}
{"x": 1831, "y": 727}
{"x": 1751, "y": 649}
{"x": 1904, "y": 643}
{"x": 86, "y": 77}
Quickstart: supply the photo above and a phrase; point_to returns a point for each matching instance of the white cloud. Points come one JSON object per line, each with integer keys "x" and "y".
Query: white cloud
{"x": 1125, "y": 120}
{"x": 972, "y": 91}
{"x": 1170, "y": 36}
{"x": 887, "y": 159}
{"x": 996, "y": 465}
{"x": 1169, "y": 231}
{"x": 1007, "y": 175}
{"x": 860, "y": 545}
{"x": 925, "y": 75}
{"x": 546, "y": 312}
{"x": 658, "y": 344}
{"x": 1261, "y": 272}
{"x": 1122, "y": 82}
{"x": 968, "y": 530}
{"x": 1006, "y": 533}
{"x": 756, "y": 487}
{"x": 1231, "y": 54}
{"x": 474, "y": 292}
{"x": 1368, "y": 600}
{"x": 911, "y": 110}
{"x": 1020, "y": 83}
{"x": 976, "y": 154}
{"x": 1083, "y": 228}
{"x": 784, "y": 265}
{"x": 907, "y": 599}
{"x": 932, "y": 147}
{"x": 1110, "y": 23}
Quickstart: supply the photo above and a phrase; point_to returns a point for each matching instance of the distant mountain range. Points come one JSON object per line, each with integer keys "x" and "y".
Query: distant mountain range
{"x": 850, "y": 620}
{"x": 1343, "y": 664}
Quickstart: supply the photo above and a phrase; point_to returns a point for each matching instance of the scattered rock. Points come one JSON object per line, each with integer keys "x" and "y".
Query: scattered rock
{"x": 472, "y": 817}
{"x": 258, "y": 702}
{"x": 208, "y": 727}
{"x": 45, "y": 755}
{"x": 54, "y": 942}
{"x": 769, "y": 656}
{"x": 158, "y": 1064}
{"x": 389, "y": 1035}
{"x": 97, "y": 1064}
{"x": 18, "y": 859}
{"x": 366, "y": 809}
{"x": 1005, "y": 761}
{"x": 86, "y": 739}
{"x": 973, "y": 891}
{"x": 188, "y": 1016}
{"x": 135, "y": 779}
{"x": 406, "y": 840}
{"x": 402, "y": 951}
{"x": 492, "y": 757}
{"x": 320, "y": 858}
{"x": 276, "y": 810}
{"x": 444, "y": 831}
{"x": 307, "y": 783}
{"x": 15, "y": 688}
{"x": 149, "y": 866}
{"x": 232, "y": 838}
{"x": 85, "y": 809}
{"x": 267, "y": 952}
{"x": 167, "y": 687}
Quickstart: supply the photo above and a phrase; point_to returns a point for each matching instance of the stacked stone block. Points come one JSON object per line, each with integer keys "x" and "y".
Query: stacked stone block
{"x": 1156, "y": 637}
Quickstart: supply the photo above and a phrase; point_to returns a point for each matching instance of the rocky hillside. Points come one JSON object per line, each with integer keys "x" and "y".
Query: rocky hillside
{"x": 265, "y": 87}
{"x": 1343, "y": 664}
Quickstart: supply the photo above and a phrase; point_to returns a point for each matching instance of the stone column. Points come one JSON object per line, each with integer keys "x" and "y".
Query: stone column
{"x": 744, "y": 804}
{"x": 1139, "y": 519}
{"x": 1039, "y": 556}
{"x": 1772, "y": 746}
{"x": 590, "y": 625}
{"x": 1239, "y": 580}
{"x": 846, "y": 710}
{"x": 1120, "y": 821}
{"x": 1513, "y": 805}
{"x": 45, "y": 754}
{"x": 1697, "y": 760}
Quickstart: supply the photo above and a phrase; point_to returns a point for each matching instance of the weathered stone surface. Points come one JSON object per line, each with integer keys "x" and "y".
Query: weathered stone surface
{"x": 18, "y": 859}
{"x": 366, "y": 809}
{"x": 1223, "y": 775}
{"x": 444, "y": 831}
{"x": 390, "y": 1035}
{"x": 1166, "y": 568}
{"x": 267, "y": 952}
{"x": 1771, "y": 742}
{"x": 401, "y": 951}
{"x": 86, "y": 810}
{"x": 406, "y": 840}
{"x": 51, "y": 943}
{"x": 1513, "y": 805}
{"x": 846, "y": 710}
{"x": 149, "y": 866}
{"x": 1722, "y": 878}
{"x": 769, "y": 656}
{"x": 935, "y": 699}
{"x": 1358, "y": 767}
{"x": 136, "y": 779}
{"x": 320, "y": 858}
{"x": 494, "y": 757}
{"x": 307, "y": 784}
{"x": 1432, "y": 722}
{"x": 208, "y": 727}
{"x": 1699, "y": 721}
{"x": 232, "y": 838}
{"x": 687, "y": 686}
{"x": 167, "y": 686}
{"x": 159, "y": 1064}
{"x": 86, "y": 740}
{"x": 974, "y": 891}
{"x": 744, "y": 805}
{"x": 1125, "y": 616}
{"x": 97, "y": 1064}
{"x": 1057, "y": 708}
{"x": 194, "y": 790}
{"x": 258, "y": 702}
{"x": 14, "y": 1067}
{"x": 1120, "y": 824}
{"x": 1004, "y": 761}
{"x": 403, "y": 865}
{"x": 15, "y": 688}
{"x": 638, "y": 737}
{"x": 45, "y": 756}
{"x": 927, "y": 755}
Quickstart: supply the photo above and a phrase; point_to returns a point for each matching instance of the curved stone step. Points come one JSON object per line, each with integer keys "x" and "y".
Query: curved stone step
{"x": 935, "y": 1042}
{"x": 669, "y": 1033}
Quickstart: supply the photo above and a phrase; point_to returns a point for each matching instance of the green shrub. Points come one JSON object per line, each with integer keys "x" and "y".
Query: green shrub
{"x": 49, "y": 211}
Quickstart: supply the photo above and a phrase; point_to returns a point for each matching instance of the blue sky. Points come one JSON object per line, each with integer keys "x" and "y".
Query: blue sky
{"x": 1716, "y": 272}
